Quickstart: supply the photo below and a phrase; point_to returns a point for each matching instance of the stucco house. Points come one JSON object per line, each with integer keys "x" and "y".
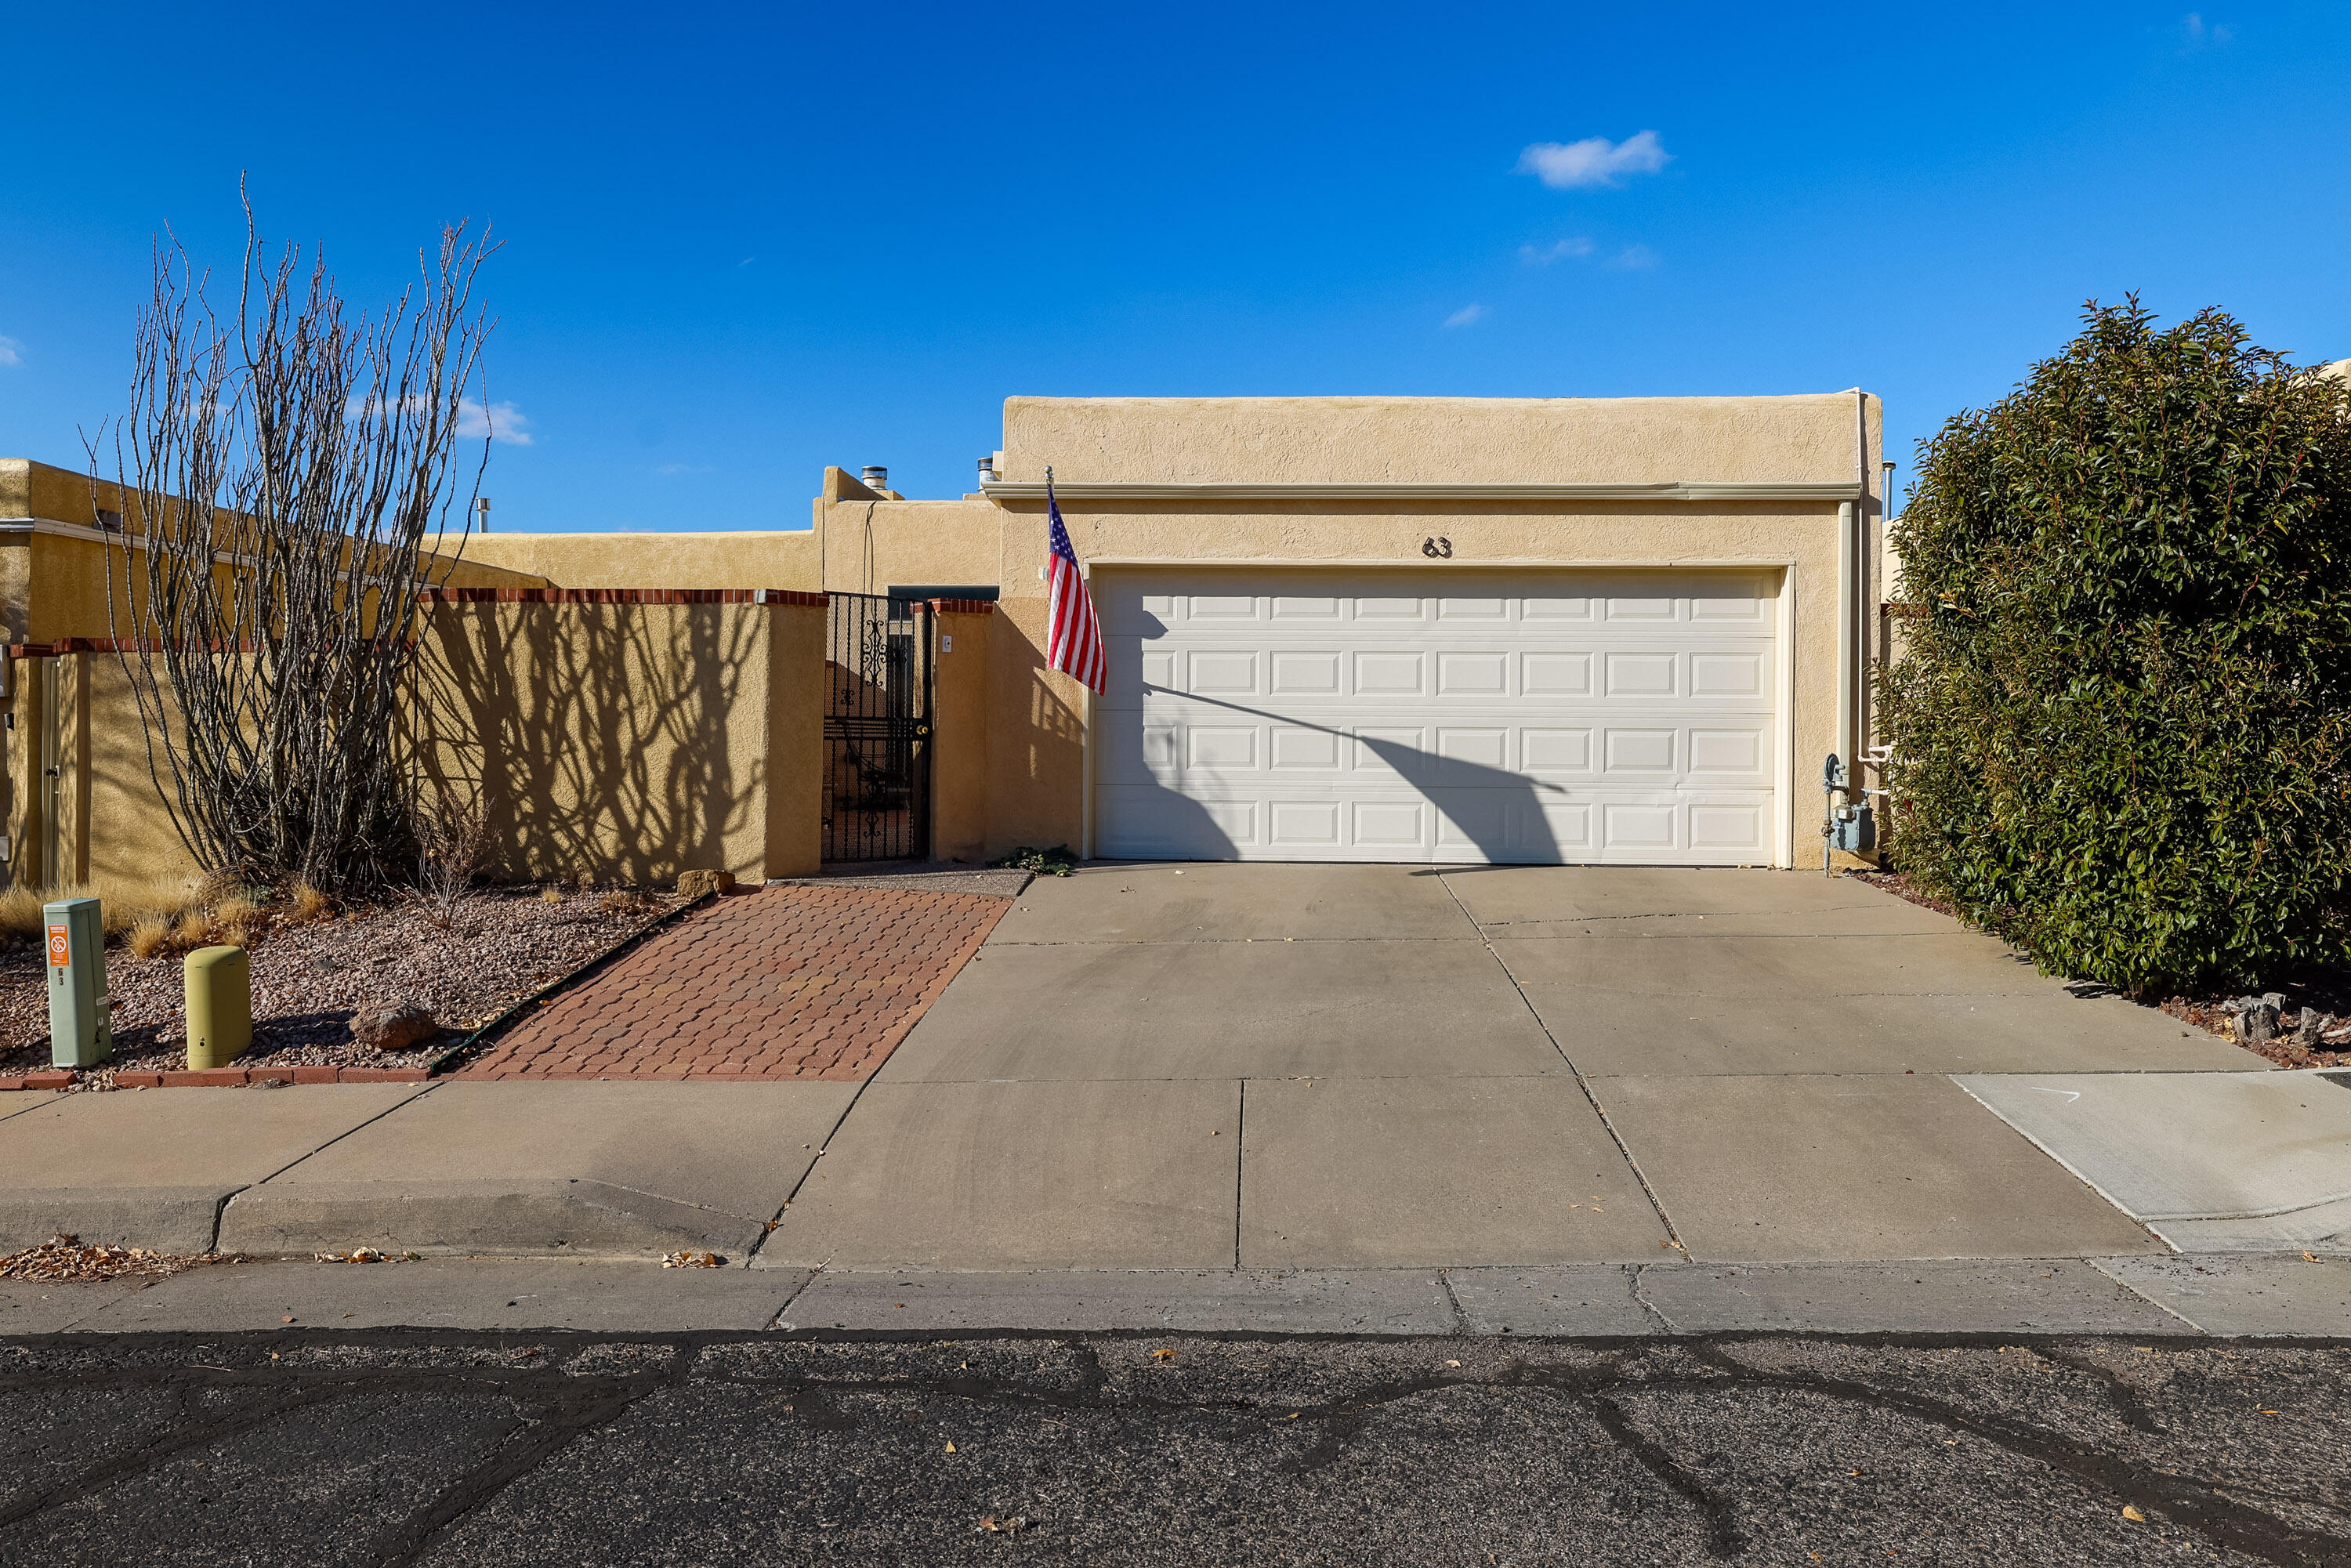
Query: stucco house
{"x": 1395, "y": 628}
{"x": 1372, "y": 628}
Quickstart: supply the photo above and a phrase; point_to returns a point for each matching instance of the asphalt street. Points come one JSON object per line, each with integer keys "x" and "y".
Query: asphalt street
{"x": 402, "y": 1447}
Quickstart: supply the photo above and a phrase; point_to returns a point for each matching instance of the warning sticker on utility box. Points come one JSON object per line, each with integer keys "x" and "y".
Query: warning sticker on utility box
{"x": 59, "y": 946}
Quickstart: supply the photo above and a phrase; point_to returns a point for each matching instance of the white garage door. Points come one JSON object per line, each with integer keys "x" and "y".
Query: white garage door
{"x": 1525, "y": 716}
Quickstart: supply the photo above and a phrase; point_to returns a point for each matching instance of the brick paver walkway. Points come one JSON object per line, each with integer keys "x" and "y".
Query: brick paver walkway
{"x": 787, "y": 982}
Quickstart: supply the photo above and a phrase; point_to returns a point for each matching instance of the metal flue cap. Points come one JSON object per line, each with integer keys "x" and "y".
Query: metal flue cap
{"x": 875, "y": 477}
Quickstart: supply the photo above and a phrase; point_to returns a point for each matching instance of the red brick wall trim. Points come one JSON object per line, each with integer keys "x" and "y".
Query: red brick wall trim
{"x": 964, "y": 606}
{"x": 64, "y": 645}
{"x": 621, "y": 596}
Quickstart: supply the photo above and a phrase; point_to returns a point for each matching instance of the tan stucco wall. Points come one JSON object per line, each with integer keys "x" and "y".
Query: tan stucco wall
{"x": 746, "y": 558}
{"x": 131, "y": 834}
{"x": 627, "y": 742}
{"x": 796, "y": 692}
{"x": 870, "y": 546}
{"x": 960, "y": 715}
{"x": 1422, "y": 440}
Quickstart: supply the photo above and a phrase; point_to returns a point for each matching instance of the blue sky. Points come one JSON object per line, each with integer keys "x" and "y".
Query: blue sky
{"x": 743, "y": 243}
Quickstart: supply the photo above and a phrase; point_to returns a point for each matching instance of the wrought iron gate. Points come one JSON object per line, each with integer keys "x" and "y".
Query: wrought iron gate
{"x": 877, "y": 728}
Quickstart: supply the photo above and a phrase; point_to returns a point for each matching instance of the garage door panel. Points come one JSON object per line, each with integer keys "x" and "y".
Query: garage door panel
{"x": 1721, "y": 756}
{"x": 1393, "y": 755}
{"x": 1473, "y": 675}
{"x": 1293, "y": 749}
{"x": 1320, "y": 610}
{"x": 1377, "y": 824}
{"x": 1163, "y": 825}
{"x": 1310, "y": 673}
{"x": 1303, "y": 824}
{"x": 1727, "y": 674}
{"x": 1560, "y": 674}
{"x": 1638, "y": 754}
{"x": 1641, "y": 676}
{"x": 1220, "y": 671}
{"x": 1388, "y": 675}
{"x": 1519, "y": 717}
{"x": 1559, "y": 753}
{"x": 1730, "y": 825}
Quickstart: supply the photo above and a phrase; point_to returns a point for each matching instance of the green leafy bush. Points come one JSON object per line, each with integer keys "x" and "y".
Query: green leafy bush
{"x": 2121, "y": 723}
{"x": 1055, "y": 862}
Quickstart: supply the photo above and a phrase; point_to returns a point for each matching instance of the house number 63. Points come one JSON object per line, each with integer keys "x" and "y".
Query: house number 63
{"x": 1440, "y": 547}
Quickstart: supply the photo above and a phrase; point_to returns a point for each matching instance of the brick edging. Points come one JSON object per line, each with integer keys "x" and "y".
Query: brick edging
{"x": 218, "y": 1077}
{"x": 622, "y": 596}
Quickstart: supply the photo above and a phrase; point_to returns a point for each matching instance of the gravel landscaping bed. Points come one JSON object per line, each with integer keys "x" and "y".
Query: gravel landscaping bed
{"x": 310, "y": 977}
{"x": 2324, "y": 997}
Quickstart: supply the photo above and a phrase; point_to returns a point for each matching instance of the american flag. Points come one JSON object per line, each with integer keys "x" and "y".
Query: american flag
{"x": 1073, "y": 643}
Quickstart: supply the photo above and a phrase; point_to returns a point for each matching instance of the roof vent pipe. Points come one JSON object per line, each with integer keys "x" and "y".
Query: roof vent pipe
{"x": 876, "y": 478}
{"x": 988, "y": 471}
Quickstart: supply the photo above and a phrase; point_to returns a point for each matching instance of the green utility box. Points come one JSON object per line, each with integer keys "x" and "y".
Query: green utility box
{"x": 81, "y": 1033}
{"x": 219, "y": 1005}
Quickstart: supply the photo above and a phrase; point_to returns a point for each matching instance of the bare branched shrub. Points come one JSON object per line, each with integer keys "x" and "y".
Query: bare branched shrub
{"x": 282, "y": 466}
{"x": 452, "y": 841}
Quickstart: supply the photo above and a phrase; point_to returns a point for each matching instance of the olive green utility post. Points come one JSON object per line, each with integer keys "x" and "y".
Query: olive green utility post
{"x": 220, "y": 1006}
{"x": 80, "y": 1032}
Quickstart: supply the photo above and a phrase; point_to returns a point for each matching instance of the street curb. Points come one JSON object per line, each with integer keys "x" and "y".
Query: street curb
{"x": 555, "y": 1217}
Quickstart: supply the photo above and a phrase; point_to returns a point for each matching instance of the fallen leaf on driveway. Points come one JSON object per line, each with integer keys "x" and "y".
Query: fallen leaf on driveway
{"x": 2133, "y": 1514}
{"x": 1017, "y": 1523}
{"x": 1162, "y": 1355}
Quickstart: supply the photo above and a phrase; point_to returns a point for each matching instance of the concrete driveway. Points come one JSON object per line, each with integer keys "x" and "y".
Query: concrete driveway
{"x": 1212, "y": 1066}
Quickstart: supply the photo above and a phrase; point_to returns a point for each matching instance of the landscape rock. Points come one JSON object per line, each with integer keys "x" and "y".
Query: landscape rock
{"x": 695, "y": 884}
{"x": 2257, "y": 1022}
{"x": 2309, "y": 1033}
{"x": 396, "y": 1026}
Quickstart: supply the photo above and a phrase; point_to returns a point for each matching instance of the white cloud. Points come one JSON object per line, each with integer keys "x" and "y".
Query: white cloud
{"x": 12, "y": 352}
{"x": 1564, "y": 250}
{"x": 1594, "y": 161}
{"x": 1468, "y": 315}
{"x": 499, "y": 421}
{"x": 1634, "y": 259}
{"x": 2196, "y": 34}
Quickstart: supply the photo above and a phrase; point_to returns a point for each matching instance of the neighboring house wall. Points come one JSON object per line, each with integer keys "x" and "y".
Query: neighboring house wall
{"x": 628, "y": 742}
{"x": 62, "y": 582}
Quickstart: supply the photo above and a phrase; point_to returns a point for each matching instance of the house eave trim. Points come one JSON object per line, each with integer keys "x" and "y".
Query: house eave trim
{"x": 1671, "y": 490}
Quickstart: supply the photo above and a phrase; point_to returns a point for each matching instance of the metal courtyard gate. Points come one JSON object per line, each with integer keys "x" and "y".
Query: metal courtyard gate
{"x": 877, "y": 728}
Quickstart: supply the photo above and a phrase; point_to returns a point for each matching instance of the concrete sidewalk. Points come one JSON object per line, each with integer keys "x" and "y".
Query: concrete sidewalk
{"x": 1365, "y": 1075}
